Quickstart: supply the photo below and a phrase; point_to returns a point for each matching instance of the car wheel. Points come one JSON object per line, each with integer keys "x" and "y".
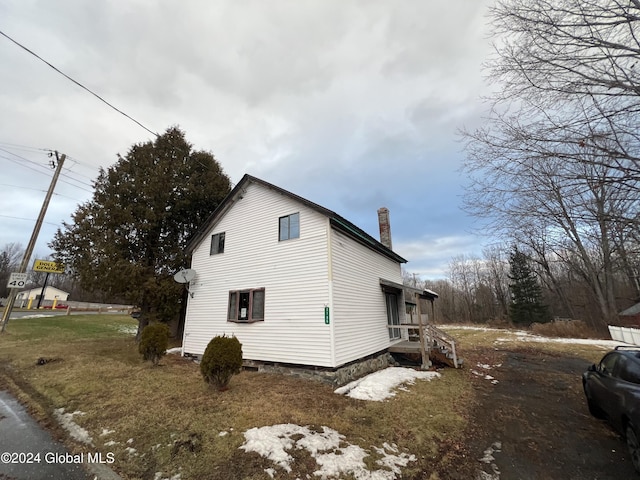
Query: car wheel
{"x": 633, "y": 445}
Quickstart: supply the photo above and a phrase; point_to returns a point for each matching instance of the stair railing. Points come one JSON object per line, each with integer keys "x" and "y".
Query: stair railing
{"x": 441, "y": 338}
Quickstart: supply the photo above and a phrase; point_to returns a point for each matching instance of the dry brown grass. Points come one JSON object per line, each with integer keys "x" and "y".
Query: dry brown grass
{"x": 98, "y": 371}
{"x": 564, "y": 329}
{"x": 477, "y": 338}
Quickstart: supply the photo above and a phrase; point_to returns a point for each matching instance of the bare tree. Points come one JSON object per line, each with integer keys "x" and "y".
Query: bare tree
{"x": 568, "y": 76}
{"x": 557, "y": 165}
{"x": 497, "y": 265}
{"x": 10, "y": 258}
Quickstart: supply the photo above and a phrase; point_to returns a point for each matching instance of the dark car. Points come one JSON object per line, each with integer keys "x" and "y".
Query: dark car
{"x": 612, "y": 388}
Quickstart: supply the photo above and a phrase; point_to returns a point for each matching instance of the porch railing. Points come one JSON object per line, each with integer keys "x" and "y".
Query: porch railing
{"x": 432, "y": 337}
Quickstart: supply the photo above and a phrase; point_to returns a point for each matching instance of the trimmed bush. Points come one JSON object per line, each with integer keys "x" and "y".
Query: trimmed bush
{"x": 154, "y": 341}
{"x": 221, "y": 360}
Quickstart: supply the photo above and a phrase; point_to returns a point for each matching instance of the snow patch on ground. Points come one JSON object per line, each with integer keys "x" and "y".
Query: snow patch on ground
{"x": 489, "y": 459}
{"x": 128, "y": 329}
{"x": 379, "y": 386}
{"x": 334, "y": 456}
{"x": 520, "y": 336}
{"x": 486, "y": 376}
{"x": 160, "y": 476}
{"x": 524, "y": 336}
{"x": 76, "y": 431}
{"x": 177, "y": 350}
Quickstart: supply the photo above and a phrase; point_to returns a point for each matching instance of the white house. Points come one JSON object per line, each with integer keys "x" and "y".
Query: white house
{"x": 295, "y": 282}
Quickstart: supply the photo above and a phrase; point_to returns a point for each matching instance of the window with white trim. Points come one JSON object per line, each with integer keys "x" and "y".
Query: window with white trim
{"x": 246, "y": 306}
{"x": 289, "y": 227}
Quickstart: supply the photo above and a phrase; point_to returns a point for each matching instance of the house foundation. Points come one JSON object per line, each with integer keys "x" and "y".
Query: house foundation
{"x": 332, "y": 376}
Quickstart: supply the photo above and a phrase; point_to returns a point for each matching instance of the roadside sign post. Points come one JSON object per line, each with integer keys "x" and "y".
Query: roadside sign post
{"x": 17, "y": 280}
{"x": 32, "y": 241}
{"x": 48, "y": 266}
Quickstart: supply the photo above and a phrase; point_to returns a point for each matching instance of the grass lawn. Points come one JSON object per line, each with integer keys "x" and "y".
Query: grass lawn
{"x": 166, "y": 419}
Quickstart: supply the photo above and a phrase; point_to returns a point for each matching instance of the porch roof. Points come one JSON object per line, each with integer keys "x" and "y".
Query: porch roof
{"x": 423, "y": 294}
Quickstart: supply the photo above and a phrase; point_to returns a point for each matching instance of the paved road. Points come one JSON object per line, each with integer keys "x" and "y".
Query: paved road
{"x": 34, "y": 313}
{"x": 27, "y": 452}
{"x": 49, "y": 313}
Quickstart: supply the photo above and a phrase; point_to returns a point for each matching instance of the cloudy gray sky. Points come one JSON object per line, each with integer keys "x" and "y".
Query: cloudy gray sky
{"x": 351, "y": 104}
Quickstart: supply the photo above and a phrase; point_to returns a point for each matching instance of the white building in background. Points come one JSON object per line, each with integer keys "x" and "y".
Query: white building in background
{"x": 50, "y": 294}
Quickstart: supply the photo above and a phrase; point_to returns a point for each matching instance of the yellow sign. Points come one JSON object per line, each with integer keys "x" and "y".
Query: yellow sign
{"x": 48, "y": 266}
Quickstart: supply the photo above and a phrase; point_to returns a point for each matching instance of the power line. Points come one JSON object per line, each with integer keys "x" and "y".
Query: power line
{"x": 78, "y": 83}
{"x": 66, "y": 175}
{"x": 46, "y": 172}
{"x": 23, "y": 165}
{"x": 73, "y": 185}
{"x": 37, "y": 190}
{"x": 29, "y": 219}
{"x": 23, "y": 147}
{"x": 68, "y": 170}
{"x": 20, "y": 157}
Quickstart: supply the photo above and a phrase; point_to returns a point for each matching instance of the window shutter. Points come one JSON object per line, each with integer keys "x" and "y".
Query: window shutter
{"x": 233, "y": 306}
{"x": 257, "y": 306}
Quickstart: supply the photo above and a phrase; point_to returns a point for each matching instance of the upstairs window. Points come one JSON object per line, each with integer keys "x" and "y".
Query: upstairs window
{"x": 217, "y": 243}
{"x": 289, "y": 227}
{"x": 246, "y": 306}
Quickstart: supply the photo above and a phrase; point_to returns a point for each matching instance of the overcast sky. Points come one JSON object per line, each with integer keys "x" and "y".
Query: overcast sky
{"x": 352, "y": 104}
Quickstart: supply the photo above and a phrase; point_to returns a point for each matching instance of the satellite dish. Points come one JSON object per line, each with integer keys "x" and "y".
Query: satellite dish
{"x": 185, "y": 275}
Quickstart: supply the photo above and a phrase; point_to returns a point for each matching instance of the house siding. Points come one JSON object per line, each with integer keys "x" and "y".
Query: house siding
{"x": 292, "y": 272}
{"x": 359, "y": 308}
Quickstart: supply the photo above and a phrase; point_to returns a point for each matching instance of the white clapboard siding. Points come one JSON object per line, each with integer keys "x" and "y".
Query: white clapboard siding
{"x": 359, "y": 309}
{"x": 292, "y": 272}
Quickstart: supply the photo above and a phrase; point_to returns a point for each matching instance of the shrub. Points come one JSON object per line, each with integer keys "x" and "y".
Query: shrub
{"x": 154, "y": 342}
{"x": 221, "y": 360}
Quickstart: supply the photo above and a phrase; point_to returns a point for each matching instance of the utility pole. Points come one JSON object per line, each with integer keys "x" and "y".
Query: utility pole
{"x": 32, "y": 242}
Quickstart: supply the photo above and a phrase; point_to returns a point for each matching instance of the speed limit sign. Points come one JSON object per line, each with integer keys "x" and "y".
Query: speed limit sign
{"x": 17, "y": 280}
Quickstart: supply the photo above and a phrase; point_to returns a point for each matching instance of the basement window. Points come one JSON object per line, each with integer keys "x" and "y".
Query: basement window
{"x": 246, "y": 306}
{"x": 289, "y": 227}
{"x": 217, "y": 243}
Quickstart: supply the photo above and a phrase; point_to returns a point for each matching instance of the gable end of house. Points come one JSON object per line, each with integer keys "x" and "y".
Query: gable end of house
{"x": 336, "y": 220}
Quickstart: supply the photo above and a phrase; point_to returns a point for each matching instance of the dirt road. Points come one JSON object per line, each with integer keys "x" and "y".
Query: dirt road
{"x": 532, "y": 423}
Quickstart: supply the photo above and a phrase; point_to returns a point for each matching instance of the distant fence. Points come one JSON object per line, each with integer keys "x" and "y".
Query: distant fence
{"x": 75, "y": 306}
{"x": 625, "y": 334}
{"x": 103, "y": 307}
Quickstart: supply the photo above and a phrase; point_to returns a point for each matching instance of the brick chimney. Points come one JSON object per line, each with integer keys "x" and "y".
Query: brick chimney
{"x": 385, "y": 227}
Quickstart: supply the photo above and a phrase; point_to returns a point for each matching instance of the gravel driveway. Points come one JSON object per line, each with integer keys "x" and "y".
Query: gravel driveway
{"x": 532, "y": 422}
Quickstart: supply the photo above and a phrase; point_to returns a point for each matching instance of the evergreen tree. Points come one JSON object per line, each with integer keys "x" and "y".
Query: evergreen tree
{"x": 526, "y": 295}
{"x": 129, "y": 239}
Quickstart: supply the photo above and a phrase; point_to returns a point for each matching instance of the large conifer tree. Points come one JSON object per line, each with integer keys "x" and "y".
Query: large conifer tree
{"x": 129, "y": 239}
{"x": 526, "y": 295}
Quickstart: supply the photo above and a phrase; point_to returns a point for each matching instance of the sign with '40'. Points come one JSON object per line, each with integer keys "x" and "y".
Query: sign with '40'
{"x": 17, "y": 280}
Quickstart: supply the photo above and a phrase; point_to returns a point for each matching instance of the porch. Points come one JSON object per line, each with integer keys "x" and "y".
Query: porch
{"x": 436, "y": 345}
{"x": 410, "y": 331}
